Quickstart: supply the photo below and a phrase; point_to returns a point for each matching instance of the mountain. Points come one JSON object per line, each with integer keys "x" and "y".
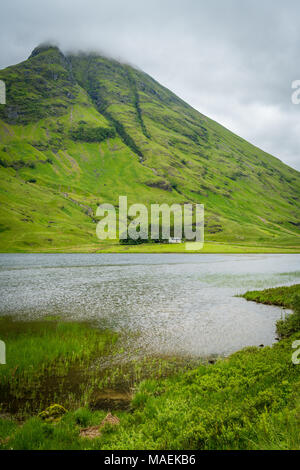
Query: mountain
{"x": 79, "y": 130}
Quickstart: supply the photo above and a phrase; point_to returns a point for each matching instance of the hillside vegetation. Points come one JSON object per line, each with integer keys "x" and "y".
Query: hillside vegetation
{"x": 80, "y": 130}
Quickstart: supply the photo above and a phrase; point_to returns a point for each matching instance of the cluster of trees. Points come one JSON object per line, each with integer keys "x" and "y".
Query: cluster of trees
{"x": 92, "y": 134}
{"x": 146, "y": 237}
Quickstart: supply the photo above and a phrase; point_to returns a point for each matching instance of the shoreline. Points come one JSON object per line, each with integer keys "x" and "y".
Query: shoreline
{"x": 240, "y": 388}
{"x": 210, "y": 247}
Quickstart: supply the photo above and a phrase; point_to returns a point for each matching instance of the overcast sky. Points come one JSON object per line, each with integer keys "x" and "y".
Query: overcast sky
{"x": 233, "y": 60}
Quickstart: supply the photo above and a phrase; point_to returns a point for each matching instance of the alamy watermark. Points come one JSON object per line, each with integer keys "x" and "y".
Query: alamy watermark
{"x": 296, "y": 94}
{"x": 177, "y": 223}
{"x": 296, "y": 354}
{"x": 2, "y": 92}
{"x": 2, "y": 352}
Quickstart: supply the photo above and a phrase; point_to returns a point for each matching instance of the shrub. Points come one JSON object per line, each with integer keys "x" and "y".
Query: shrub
{"x": 82, "y": 417}
{"x": 291, "y": 324}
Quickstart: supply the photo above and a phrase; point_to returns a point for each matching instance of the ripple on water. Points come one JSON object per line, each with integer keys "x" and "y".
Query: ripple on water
{"x": 175, "y": 304}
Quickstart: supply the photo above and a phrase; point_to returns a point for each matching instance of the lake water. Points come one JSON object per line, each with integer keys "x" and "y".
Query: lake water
{"x": 171, "y": 304}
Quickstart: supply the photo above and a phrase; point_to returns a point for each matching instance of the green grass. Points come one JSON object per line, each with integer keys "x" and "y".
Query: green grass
{"x": 49, "y": 340}
{"x": 45, "y": 359}
{"x": 75, "y": 363}
{"x": 156, "y": 140}
{"x": 109, "y": 247}
{"x": 247, "y": 401}
{"x": 283, "y": 296}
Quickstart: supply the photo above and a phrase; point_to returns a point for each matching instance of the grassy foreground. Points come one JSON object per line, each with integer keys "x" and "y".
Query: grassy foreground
{"x": 247, "y": 401}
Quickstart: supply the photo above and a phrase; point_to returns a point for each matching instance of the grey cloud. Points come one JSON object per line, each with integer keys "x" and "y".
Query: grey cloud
{"x": 233, "y": 61}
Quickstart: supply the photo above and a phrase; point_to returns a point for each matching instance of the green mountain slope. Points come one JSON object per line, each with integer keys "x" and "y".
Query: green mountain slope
{"x": 79, "y": 130}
